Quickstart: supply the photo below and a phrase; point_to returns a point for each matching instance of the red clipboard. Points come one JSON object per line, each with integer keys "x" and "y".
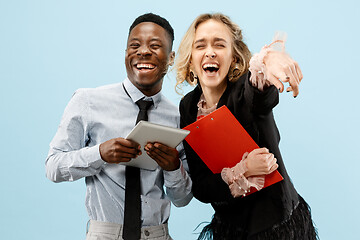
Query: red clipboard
{"x": 220, "y": 141}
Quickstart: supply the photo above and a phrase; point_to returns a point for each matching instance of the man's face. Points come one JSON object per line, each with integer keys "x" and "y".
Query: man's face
{"x": 148, "y": 56}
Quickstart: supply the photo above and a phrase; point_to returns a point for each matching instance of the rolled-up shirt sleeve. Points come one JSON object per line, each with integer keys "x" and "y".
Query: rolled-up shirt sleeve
{"x": 70, "y": 158}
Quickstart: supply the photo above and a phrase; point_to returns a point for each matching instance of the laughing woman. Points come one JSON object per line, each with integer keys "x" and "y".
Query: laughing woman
{"x": 213, "y": 57}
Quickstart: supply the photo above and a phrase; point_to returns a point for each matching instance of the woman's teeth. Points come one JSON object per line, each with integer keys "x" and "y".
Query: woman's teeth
{"x": 211, "y": 67}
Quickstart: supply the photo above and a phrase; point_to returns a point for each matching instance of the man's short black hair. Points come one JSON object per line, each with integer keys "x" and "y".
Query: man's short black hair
{"x": 150, "y": 17}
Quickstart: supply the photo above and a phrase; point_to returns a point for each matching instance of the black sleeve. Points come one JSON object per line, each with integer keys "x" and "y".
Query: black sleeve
{"x": 207, "y": 186}
{"x": 262, "y": 104}
{"x": 269, "y": 135}
{"x": 262, "y": 101}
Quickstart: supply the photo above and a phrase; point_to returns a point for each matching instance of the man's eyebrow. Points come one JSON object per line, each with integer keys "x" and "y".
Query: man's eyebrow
{"x": 156, "y": 39}
{"x": 151, "y": 40}
{"x": 133, "y": 39}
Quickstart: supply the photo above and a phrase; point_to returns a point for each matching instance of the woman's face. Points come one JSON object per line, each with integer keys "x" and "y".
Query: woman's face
{"x": 211, "y": 54}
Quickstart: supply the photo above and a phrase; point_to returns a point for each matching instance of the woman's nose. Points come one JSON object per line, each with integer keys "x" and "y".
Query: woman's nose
{"x": 210, "y": 53}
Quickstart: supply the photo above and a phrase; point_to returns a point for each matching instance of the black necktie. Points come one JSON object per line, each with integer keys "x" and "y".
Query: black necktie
{"x": 132, "y": 214}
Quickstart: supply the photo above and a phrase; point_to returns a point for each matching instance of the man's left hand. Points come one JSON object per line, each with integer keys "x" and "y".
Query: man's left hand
{"x": 166, "y": 157}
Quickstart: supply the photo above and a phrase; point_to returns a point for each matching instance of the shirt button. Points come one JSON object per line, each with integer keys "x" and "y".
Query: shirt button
{"x": 147, "y": 233}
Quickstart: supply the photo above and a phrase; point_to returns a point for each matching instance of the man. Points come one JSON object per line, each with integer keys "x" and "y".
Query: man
{"x": 90, "y": 141}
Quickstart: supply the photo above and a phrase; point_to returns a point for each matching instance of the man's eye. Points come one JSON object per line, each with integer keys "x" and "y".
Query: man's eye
{"x": 134, "y": 45}
{"x": 155, "y": 46}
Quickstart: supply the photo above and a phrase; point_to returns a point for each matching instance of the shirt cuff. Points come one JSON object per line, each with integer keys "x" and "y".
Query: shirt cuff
{"x": 172, "y": 178}
{"x": 91, "y": 157}
{"x": 92, "y": 154}
{"x": 88, "y": 163}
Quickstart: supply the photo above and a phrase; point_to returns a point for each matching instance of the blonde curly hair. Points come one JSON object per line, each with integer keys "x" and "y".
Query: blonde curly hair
{"x": 240, "y": 51}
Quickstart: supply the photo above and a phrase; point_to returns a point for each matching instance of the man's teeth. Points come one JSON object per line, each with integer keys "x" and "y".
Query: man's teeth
{"x": 142, "y": 65}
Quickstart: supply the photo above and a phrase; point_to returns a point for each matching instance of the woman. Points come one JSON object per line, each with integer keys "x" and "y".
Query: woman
{"x": 213, "y": 56}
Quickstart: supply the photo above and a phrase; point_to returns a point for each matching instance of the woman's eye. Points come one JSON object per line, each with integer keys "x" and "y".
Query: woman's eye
{"x": 199, "y": 46}
{"x": 155, "y": 46}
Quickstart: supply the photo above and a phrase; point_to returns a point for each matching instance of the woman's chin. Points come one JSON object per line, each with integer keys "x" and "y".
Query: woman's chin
{"x": 212, "y": 82}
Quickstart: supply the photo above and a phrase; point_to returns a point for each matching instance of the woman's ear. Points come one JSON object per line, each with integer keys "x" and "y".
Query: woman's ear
{"x": 171, "y": 58}
{"x": 191, "y": 66}
{"x": 234, "y": 60}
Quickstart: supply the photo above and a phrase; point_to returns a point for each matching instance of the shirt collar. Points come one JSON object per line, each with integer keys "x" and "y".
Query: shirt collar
{"x": 136, "y": 94}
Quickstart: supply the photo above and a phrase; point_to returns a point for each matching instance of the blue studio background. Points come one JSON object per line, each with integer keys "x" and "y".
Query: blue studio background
{"x": 49, "y": 48}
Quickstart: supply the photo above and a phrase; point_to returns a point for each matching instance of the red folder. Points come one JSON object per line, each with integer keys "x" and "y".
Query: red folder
{"x": 220, "y": 141}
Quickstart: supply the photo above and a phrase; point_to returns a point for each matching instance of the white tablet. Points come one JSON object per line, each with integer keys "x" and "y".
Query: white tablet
{"x": 145, "y": 132}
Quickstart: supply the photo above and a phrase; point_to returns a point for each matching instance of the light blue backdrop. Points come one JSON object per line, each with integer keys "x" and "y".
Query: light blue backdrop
{"x": 50, "y": 48}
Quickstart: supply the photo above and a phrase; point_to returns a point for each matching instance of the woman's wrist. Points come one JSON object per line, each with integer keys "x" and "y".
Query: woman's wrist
{"x": 257, "y": 63}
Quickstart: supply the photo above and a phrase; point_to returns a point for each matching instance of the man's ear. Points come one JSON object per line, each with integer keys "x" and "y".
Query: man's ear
{"x": 171, "y": 58}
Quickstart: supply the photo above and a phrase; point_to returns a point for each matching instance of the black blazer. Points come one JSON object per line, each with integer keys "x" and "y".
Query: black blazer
{"x": 253, "y": 109}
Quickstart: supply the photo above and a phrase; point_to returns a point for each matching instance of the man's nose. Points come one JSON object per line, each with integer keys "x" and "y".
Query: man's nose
{"x": 143, "y": 51}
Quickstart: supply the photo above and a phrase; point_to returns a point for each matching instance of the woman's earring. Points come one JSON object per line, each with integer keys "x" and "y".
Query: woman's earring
{"x": 193, "y": 77}
{"x": 234, "y": 72}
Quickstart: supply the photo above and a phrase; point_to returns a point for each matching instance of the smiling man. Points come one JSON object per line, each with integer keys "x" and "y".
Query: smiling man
{"x": 90, "y": 143}
{"x": 154, "y": 44}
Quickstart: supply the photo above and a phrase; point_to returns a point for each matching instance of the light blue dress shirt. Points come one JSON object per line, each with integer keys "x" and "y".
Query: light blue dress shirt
{"x": 96, "y": 115}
